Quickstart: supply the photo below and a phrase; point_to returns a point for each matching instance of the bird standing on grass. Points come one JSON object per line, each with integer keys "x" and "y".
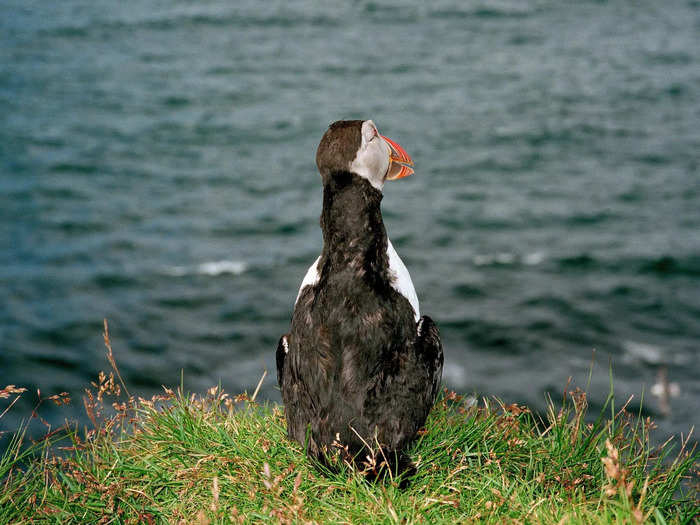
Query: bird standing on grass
{"x": 359, "y": 368}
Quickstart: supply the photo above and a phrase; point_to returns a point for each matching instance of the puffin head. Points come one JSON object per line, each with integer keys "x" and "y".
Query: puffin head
{"x": 356, "y": 146}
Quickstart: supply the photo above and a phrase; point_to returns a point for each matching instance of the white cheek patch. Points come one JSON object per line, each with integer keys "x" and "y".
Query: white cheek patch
{"x": 372, "y": 159}
{"x": 372, "y": 164}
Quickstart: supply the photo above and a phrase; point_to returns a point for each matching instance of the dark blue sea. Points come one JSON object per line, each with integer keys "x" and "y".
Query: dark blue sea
{"x": 157, "y": 169}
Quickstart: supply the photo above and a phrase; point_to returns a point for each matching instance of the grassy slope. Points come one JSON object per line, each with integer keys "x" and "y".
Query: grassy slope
{"x": 215, "y": 459}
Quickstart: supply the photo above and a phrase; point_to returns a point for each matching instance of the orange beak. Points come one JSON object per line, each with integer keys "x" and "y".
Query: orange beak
{"x": 400, "y": 163}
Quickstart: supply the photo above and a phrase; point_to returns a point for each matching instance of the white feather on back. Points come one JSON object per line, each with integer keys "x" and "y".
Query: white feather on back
{"x": 401, "y": 281}
{"x": 310, "y": 279}
{"x": 398, "y": 273}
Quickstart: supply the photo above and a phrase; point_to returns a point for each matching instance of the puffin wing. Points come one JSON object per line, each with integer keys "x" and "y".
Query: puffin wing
{"x": 428, "y": 347}
{"x": 404, "y": 389}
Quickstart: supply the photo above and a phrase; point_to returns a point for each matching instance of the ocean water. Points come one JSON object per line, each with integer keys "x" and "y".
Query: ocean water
{"x": 157, "y": 169}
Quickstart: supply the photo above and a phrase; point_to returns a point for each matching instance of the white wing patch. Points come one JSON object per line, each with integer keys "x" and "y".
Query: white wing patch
{"x": 401, "y": 279}
{"x": 311, "y": 277}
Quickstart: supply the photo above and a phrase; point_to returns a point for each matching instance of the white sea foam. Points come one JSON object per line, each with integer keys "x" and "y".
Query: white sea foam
{"x": 211, "y": 268}
{"x": 644, "y": 352}
{"x": 534, "y": 258}
{"x": 665, "y": 389}
{"x": 221, "y": 267}
{"x": 454, "y": 374}
{"x": 505, "y": 258}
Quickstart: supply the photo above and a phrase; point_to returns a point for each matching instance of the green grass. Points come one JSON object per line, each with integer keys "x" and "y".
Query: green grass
{"x": 213, "y": 458}
{"x": 183, "y": 458}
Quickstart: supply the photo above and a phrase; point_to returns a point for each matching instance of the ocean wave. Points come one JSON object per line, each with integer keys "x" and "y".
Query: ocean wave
{"x": 176, "y": 20}
{"x": 494, "y": 11}
{"x": 663, "y": 265}
{"x": 668, "y": 265}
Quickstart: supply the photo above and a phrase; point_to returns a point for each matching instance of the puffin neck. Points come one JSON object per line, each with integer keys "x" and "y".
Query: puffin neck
{"x": 351, "y": 221}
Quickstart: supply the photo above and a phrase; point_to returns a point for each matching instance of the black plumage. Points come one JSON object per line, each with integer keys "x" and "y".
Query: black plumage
{"x": 355, "y": 367}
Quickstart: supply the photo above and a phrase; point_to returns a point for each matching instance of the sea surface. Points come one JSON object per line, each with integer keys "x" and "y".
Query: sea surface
{"x": 157, "y": 170}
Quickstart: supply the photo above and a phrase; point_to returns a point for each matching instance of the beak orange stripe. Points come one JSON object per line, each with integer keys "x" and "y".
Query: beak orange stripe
{"x": 400, "y": 162}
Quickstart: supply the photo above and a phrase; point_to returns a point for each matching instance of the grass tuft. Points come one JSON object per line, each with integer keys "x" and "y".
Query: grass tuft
{"x": 214, "y": 458}
{"x": 180, "y": 458}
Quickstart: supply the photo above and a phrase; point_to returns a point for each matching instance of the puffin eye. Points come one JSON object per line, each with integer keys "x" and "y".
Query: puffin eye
{"x": 373, "y": 134}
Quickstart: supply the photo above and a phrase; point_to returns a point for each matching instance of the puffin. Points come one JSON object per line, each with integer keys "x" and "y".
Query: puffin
{"x": 360, "y": 368}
